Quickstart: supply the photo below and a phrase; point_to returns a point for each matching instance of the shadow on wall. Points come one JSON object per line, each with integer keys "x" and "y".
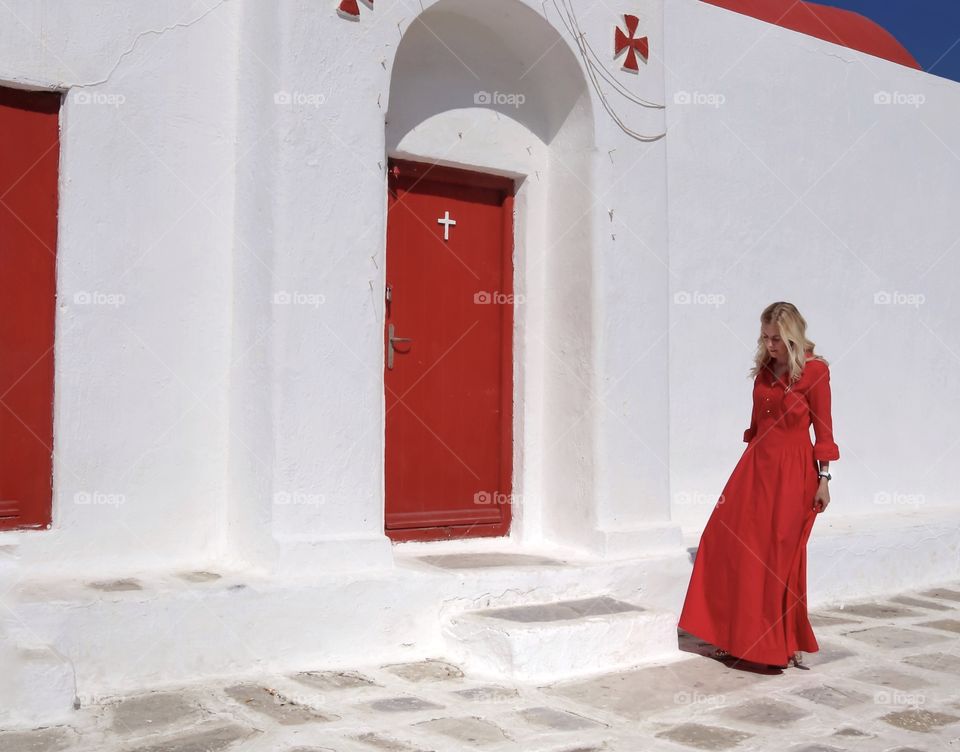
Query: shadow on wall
{"x": 498, "y": 55}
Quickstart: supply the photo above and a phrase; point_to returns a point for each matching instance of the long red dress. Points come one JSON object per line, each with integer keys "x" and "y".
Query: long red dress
{"x": 748, "y": 591}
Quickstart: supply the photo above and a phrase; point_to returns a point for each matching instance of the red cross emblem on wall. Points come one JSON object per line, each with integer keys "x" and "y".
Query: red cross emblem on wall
{"x": 628, "y": 41}
{"x": 350, "y": 9}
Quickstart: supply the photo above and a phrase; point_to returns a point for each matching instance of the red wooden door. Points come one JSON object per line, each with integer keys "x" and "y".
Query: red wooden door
{"x": 448, "y": 376}
{"x": 29, "y": 165}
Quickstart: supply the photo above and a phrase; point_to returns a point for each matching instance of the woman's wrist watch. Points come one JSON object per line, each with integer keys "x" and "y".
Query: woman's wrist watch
{"x": 824, "y": 474}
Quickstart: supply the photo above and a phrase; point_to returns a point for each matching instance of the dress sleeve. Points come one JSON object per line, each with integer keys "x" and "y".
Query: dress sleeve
{"x": 752, "y": 431}
{"x": 818, "y": 397}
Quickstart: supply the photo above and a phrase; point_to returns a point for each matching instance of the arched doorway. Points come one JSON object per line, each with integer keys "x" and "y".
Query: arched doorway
{"x": 494, "y": 93}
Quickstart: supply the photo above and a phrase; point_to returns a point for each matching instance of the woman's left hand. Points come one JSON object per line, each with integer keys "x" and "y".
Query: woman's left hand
{"x": 822, "y": 497}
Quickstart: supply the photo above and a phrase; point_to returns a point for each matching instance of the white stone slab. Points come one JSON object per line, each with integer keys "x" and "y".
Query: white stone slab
{"x": 561, "y": 639}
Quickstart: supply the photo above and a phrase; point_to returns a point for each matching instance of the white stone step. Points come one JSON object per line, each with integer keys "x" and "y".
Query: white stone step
{"x": 562, "y": 639}
{"x": 37, "y": 686}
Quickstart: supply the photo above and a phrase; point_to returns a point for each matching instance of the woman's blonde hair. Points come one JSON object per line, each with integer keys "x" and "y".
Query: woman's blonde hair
{"x": 793, "y": 332}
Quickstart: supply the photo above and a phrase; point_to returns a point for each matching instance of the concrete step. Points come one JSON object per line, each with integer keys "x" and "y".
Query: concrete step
{"x": 560, "y": 640}
{"x": 243, "y": 626}
{"x": 37, "y": 684}
{"x": 37, "y": 687}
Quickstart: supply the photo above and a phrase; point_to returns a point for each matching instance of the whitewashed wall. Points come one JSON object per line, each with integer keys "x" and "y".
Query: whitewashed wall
{"x": 143, "y": 319}
{"x": 788, "y": 180}
{"x": 193, "y": 192}
{"x": 232, "y": 164}
{"x": 576, "y": 448}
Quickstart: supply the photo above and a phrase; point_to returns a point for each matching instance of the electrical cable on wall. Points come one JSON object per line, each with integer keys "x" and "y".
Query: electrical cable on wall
{"x": 595, "y": 67}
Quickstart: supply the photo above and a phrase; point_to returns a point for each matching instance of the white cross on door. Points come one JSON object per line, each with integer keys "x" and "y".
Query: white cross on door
{"x": 446, "y": 222}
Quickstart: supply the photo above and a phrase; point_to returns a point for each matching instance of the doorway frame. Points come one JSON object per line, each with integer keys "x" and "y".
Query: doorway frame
{"x": 400, "y": 168}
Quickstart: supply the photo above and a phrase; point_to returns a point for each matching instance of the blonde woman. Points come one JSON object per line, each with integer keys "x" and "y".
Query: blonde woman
{"x": 747, "y": 593}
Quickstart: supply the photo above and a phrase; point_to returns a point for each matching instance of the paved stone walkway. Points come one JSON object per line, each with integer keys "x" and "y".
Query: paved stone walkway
{"x": 887, "y": 678}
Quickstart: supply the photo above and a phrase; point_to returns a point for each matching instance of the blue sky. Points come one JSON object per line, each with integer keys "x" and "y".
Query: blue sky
{"x": 928, "y": 28}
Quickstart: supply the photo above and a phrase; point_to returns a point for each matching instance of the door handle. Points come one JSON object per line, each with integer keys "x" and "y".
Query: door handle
{"x": 390, "y": 348}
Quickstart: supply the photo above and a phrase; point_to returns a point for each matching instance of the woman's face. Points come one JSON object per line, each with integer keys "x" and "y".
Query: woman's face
{"x": 776, "y": 347}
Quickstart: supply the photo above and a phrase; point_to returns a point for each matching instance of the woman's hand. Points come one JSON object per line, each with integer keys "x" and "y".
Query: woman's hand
{"x": 822, "y": 497}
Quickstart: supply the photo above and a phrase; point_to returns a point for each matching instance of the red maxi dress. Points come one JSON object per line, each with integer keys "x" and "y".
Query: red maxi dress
{"x": 747, "y": 593}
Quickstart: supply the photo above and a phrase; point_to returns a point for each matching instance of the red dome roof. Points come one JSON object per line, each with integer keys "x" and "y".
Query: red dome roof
{"x": 835, "y": 25}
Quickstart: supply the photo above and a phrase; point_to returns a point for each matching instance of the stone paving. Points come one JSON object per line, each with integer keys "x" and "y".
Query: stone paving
{"x": 887, "y": 678}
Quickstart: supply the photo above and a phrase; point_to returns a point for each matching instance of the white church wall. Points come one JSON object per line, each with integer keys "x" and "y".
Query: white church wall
{"x": 426, "y": 101}
{"x": 142, "y": 329}
{"x": 246, "y": 358}
{"x": 804, "y": 171}
{"x": 632, "y": 327}
{"x": 330, "y": 233}
{"x": 569, "y": 348}
{"x": 247, "y": 531}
